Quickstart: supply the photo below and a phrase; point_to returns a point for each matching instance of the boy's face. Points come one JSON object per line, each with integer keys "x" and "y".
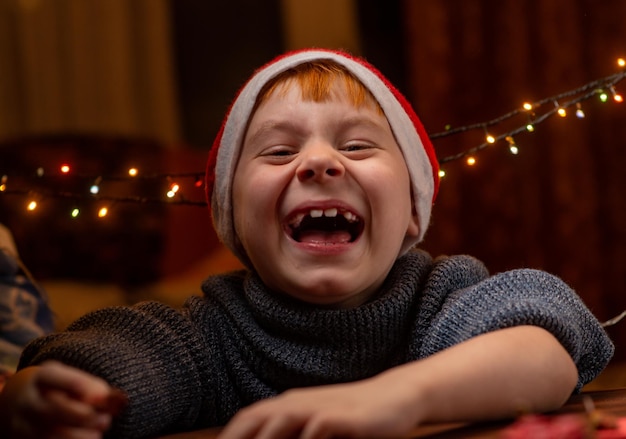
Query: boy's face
{"x": 321, "y": 196}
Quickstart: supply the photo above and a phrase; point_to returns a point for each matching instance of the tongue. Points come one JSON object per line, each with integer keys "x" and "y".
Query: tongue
{"x": 318, "y": 236}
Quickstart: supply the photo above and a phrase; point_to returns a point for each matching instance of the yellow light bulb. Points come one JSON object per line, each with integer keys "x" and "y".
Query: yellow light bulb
{"x": 442, "y": 173}
{"x": 65, "y": 169}
{"x": 527, "y": 106}
{"x": 75, "y": 212}
{"x": 133, "y": 172}
{"x": 621, "y": 62}
{"x": 490, "y": 138}
{"x": 471, "y": 161}
{"x": 32, "y": 205}
{"x": 561, "y": 112}
{"x": 103, "y": 212}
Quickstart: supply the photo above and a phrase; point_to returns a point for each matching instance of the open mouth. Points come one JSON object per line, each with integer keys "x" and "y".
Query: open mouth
{"x": 329, "y": 226}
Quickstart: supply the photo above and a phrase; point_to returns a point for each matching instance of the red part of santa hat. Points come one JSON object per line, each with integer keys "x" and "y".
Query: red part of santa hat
{"x": 418, "y": 151}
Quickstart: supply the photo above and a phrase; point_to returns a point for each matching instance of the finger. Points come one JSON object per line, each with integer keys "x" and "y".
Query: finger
{"x": 80, "y": 384}
{"x": 242, "y": 426}
{"x": 282, "y": 426}
{"x": 74, "y": 433}
{"x": 62, "y": 409}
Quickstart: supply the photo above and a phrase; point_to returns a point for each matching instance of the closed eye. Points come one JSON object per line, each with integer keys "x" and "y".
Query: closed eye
{"x": 278, "y": 151}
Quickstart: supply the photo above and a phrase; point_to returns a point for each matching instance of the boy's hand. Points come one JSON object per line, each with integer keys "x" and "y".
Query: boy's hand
{"x": 55, "y": 400}
{"x": 375, "y": 407}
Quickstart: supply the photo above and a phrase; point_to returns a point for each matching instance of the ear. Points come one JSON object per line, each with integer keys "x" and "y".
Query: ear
{"x": 413, "y": 228}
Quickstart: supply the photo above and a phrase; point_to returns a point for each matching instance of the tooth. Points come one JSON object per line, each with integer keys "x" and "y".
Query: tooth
{"x": 331, "y": 212}
{"x": 349, "y": 216}
{"x": 297, "y": 220}
{"x": 316, "y": 213}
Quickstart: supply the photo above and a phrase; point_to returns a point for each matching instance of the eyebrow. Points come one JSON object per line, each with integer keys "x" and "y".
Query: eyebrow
{"x": 273, "y": 125}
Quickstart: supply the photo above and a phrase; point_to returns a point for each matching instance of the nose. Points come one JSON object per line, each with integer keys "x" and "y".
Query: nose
{"x": 319, "y": 163}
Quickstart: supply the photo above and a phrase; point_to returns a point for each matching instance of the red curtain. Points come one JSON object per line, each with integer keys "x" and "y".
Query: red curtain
{"x": 559, "y": 204}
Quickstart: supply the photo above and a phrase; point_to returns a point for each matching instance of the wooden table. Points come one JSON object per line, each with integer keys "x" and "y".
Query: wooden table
{"x": 610, "y": 401}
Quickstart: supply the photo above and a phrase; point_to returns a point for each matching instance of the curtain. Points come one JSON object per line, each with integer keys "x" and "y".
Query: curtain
{"x": 558, "y": 204}
{"x": 89, "y": 66}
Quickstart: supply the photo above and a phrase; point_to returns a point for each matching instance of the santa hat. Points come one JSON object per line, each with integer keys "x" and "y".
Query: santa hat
{"x": 409, "y": 133}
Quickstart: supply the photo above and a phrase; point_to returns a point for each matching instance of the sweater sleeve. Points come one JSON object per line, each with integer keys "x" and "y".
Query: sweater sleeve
{"x": 148, "y": 350}
{"x": 523, "y": 297}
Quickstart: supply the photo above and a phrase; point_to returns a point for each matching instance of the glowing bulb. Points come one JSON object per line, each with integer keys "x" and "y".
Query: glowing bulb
{"x": 75, "y": 212}
{"x": 32, "y": 205}
{"x": 512, "y": 146}
{"x": 530, "y": 128}
{"x": 604, "y": 97}
{"x": 39, "y": 172}
{"x": 3, "y": 187}
{"x": 133, "y": 172}
{"x": 527, "y": 106}
{"x": 471, "y": 161}
{"x": 621, "y": 62}
{"x": 561, "y": 112}
{"x": 65, "y": 169}
{"x": 173, "y": 189}
{"x": 103, "y": 212}
{"x": 579, "y": 112}
{"x": 442, "y": 173}
{"x": 94, "y": 189}
{"x": 490, "y": 138}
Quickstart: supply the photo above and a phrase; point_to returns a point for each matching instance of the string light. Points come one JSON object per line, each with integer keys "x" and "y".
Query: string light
{"x": 531, "y": 114}
{"x": 173, "y": 190}
{"x": 94, "y": 189}
{"x": 75, "y": 212}
{"x": 103, "y": 211}
{"x": 32, "y": 205}
{"x": 579, "y": 111}
{"x": 560, "y": 110}
{"x": 442, "y": 173}
{"x": 512, "y": 146}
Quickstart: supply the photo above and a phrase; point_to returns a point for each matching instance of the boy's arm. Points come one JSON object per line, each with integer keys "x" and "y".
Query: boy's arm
{"x": 494, "y": 375}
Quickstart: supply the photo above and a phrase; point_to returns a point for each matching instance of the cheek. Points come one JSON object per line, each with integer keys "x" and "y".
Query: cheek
{"x": 255, "y": 197}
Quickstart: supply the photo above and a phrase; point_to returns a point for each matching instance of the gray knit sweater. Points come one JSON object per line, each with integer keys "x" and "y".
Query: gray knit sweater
{"x": 240, "y": 343}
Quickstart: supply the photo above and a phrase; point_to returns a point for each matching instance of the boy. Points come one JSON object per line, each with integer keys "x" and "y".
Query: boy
{"x": 321, "y": 181}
